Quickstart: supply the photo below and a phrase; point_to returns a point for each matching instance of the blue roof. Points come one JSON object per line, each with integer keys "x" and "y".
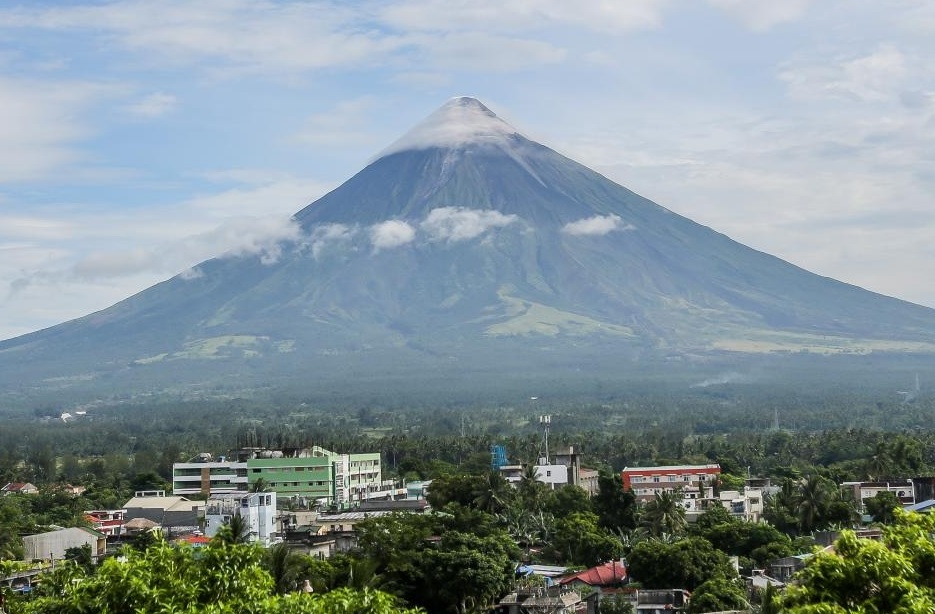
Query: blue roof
{"x": 923, "y": 506}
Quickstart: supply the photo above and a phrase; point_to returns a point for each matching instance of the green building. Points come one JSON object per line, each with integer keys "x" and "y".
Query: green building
{"x": 313, "y": 474}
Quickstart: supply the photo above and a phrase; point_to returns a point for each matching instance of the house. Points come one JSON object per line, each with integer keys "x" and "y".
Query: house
{"x": 662, "y": 601}
{"x": 861, "y": 491}
{"x": 22, "y": 488}
{"x": 173, "y": 513}
{"x": 52, "y": 545}
{"x": 604, "y": 576}
{"x": 257, "y": 509}
{"x": 783, "y": 569}
{"x": 546, "y": 600}
{"x": 108, "y": 522}
{"x": 646, "y": 482}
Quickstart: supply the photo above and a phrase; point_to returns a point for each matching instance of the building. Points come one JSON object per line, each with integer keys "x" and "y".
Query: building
{"x": 746, "y": 504}
{"x": 662, "y": 601}
{"x": 257, "y": 509}
{"x": 173, "y": 513}
{"x": 203, "y": 475}
{"x": 646, "y": 482}
{"x": 108, "y": 522}
{"x": 861, "y": 491}
{"x": 53, "y": 545}
{"x": 22, "y": 488}
{"x": 309, "y": 475}
{"x": 610, "y": 575}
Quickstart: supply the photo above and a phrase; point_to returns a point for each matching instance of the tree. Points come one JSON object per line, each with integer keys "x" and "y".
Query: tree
{"x": 664, "y": 514}
{"x": 615, "y": 507}
{"x": 718, "y": 595}
{"x": 882, "y": 506}
{"x": 418, "y": 555}
{"x": 234, "y": 531}
{"x": 283, "y": 565}
{"x": 567, "y": 500}
{"x": 579, "y": 540}
{"x": 218, "y": 579}
{"x": 813, "y": 501}
{"x": 492, "y": 493}
{"x": 686, "y": 563}
{"x": 896, "y": 574}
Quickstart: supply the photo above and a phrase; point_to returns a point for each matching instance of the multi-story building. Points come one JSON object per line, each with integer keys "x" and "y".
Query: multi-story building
{"x": 108, "y": 522}
{"x": 313, "y": 474}
{"x": 257, "y": 509}
{"x": 646, "y": 482}
{"x": 861, "y": 491}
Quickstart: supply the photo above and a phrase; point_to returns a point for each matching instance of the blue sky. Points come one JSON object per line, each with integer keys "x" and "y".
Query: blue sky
{"x": 138, "y": 138}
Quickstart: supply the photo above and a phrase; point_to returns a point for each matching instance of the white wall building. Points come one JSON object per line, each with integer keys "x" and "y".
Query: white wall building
{"x": 258, "y": 509}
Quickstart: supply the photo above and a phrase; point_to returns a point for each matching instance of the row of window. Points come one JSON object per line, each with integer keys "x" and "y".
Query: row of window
{"x": 700, "y": 477}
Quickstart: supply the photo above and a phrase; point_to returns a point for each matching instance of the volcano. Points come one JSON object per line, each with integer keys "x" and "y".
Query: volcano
{"x": 465, "y": 249}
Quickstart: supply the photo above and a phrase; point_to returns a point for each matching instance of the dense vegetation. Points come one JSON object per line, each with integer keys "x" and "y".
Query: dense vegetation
{"x": 484, "y": 526}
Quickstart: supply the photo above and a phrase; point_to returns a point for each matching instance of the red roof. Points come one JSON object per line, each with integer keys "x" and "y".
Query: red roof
{"x": 613, "y": 572}
{"x": 195, "y": 540}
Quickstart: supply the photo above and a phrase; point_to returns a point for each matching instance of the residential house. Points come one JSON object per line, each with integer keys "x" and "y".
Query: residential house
{"x": 604, "y": 578}
{"x": 22, "y": 488}
{"x": 108, "y": 522}
{"x": 546, "y": 600}
{"x": 861, "y": 491}
{"x": 173, "y": 513}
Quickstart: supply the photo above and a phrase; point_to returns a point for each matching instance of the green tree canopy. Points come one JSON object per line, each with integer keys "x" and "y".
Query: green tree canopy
{"x": 865, "y": 576}
{"x": 686, "y": 563}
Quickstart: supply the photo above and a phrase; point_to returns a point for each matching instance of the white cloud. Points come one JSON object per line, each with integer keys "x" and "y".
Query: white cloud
{"x": 500, "y": 15}
{"x": 235, "y": 237}
{"x": 760, "y": 15}
{"x": 874, "y": 77}
{"x": 153, "y": 105}
{"x": 390, "y": 234}
{"x": 326, "y": 234}
{"x": 42, "y": 123}
{"x": 245, "y": 35}
{"x": 598, "y": 225}
{"x": 454, "y": 224}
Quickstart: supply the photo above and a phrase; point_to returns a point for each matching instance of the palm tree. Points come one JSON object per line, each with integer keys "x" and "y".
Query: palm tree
{"x": 492, "y": 493}
{"x": 813, "y": 501}
{"x": 283, "y": 564}
{"x": 259, "y": 486}
{"x": 235, "y": 531}
{"x": 664, "y": 514}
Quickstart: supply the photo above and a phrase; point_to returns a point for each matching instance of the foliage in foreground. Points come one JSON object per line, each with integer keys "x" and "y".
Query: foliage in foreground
{"x": 861, "y": 576}
{"x": 221, "y": 578}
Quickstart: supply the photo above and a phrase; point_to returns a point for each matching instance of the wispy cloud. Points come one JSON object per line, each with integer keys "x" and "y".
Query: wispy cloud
{"x": 454, "y": 224}
{"x": 153, "y": 105}
{"x": 873, "y": 77}
{"x": 761, "y": 15}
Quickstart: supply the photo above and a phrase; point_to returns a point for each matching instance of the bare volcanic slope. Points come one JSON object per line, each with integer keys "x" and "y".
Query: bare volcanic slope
{"x": 465, "y": 246}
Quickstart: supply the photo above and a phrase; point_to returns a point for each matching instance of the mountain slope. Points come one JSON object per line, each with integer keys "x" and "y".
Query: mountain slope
{"x": 465, "y": 243}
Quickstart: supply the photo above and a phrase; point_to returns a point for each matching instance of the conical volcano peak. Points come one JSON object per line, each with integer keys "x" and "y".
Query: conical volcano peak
{"x": 459, "y": 122}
